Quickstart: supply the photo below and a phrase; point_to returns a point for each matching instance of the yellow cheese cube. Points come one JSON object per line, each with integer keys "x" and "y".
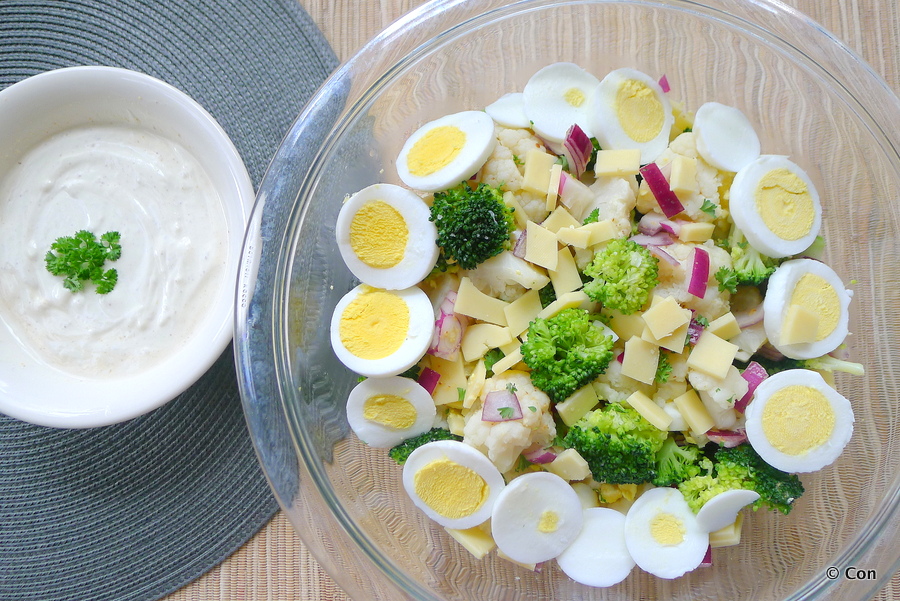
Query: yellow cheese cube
{"x": 473, "y": 302}
{"x": 626, "y": 326}
{"x": 541, "y": 246}
{"x": 558, "y": 219}
{"x": 475, "y": 384}
{"x": 800, "y": 326}
{"x": 712, "y": 355}
{"x": 519, "y": 214}
{"x": 573, "y": 408}
{"x": 586, "y": 494}
{"x": 566, "y": 301}
{"x": 553, "y": 186}
{"x": 696, "y": 231}
{"x": 536, "y": 178}
{"x": 507, "y": 362}
{"x": 640, "y": 360}
{"x": 725, "y": 327}
{"x": 694, "y": 412}
{"x": 527, "y": 566}
{"x": 617, "y": 162}
{"x": 601, "y": 231}
{"x": 521, "y": 311}
{"x": 666, "y": 316}
{"x": 729, "y": 535}
{"x": 579, "y": 237}
{"x": 482, "y": 337}
{"x": 511, "y": 346}
{"x": 565, "y": 277}
{"x": 569, "y": 465}
{"x": 652, "y": 412}
{"x": 673, "y": 342}
{"x": 683, "y": 178}
{"x": 456, "y": 423}
{"x": 451, "y": 388}
{"x": 475, "y": 540}
{"x": 609, "y": 493}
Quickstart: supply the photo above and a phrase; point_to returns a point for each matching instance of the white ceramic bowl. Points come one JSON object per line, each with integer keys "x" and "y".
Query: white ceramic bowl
{"x": 42, "y": 107}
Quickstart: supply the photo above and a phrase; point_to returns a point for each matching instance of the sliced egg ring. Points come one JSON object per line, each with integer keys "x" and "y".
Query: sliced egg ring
{"x": 385, "y": 237}
{"x": 662, "y": 534}
{"x": 452, "y": 483}
{"x": 383, "y": 412}
{"x": 446, "y": 151}
{"x": 557, "y": 97}
{"x": 377, "y": 332}
{"x": 797, "y": 423}
{"x": 776, "y": 205}
{"x": 806, "y": 310}
{"x": 509, "y": 110}
{"x": 725, "y": 137}
{"x": 723, "y": 508}
{"x": 598, "y": 556}
{"x": 536, "y": 517}
{"x": 629, "y": 110}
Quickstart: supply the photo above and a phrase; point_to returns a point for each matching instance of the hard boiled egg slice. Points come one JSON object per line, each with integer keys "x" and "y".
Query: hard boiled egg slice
{"x": 385, "y": 237}
{"x": 378, "y": 332}
{"x": 775, "y": 204}
{"x": 557, "y": 97}
{"x": 509, "y": 110}
{"x": 662, "y": 534}
{"x": 453, "y": 483}
{"x": 725, "y": 137}
{"x": 598, "y": 556}
{"x": 383, "y": 412}
{"x": 806, "y": 309}
{"x": 630, "y": 110}
{"x": 447, "y": 151}
{"x": 798, "y": 423}
{"x": 723, "y": 508}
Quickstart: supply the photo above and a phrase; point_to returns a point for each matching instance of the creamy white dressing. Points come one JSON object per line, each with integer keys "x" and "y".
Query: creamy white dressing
{"x": 174, "y": 246}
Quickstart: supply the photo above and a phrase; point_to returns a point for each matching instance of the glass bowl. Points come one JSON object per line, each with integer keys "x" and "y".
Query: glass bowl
{"x": 808, "y": 96}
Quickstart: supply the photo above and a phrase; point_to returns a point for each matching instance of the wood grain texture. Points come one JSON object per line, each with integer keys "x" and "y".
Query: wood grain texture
{"x": 275, "y": 565}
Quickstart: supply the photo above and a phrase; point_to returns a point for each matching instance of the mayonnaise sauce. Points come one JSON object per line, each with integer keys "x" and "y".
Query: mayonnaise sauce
{"x": 173, "y": 237}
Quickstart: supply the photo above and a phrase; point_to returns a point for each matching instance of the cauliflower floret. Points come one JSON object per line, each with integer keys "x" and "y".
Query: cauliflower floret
{"x": 503, "y": 166}
{"x": 719, "y": 396}
{"x": 674, "y": 279}
{"x": 615, "y": 387}
{"x": 503, "y": 442}
{"x": 615, "y": 199}
{"x": 506, "y": 276}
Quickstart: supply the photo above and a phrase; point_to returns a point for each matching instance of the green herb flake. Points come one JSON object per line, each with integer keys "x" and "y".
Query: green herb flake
{"x": 708, "y": 207}
{"x": 505, "y": 412}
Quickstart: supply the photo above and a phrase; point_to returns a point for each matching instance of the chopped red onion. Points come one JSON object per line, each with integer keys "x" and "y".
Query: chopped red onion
{"x": 577, "y": 149}
{"x": 754, "y": 374}
{"x": 707, "y": 559}
{"x": 536, "y": 453}
{"x": 449, "y": 329}
{"x": 695, "y": 329}
{"x": 574, "y": 194}
{"x": 650, "y": 224}
{"x": 659, "y": 186}
{"x": 727, "y": 438}
{"x": 658, "y": 239}
{"x": 699, "y": 273}
{"x": 749, "y": 317}
{"x": 768, "y": 351}
{"x": 519, "y": 247}
{"x": 662, "y": 255}
{"x": 673, "y": 227}
{"x": 501, "y": 406}
{"x": 429, "y": 379}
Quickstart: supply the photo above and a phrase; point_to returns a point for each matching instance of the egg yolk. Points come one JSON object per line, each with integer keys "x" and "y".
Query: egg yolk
{"x": 378, "y": 235}
{"x": 797, "y": 419}
{"x": 640, "y": 112}
{"x": 390, "y": 410}
{"x": 549, "y": 522}
{"x": 784, "y": 203}
{"x": 374, "y": 324}
{"x": 814, "y": 294}
{"x": 574, "y": 97}
{"x": 450, "y": 489}
{"x": 667, "y": 529}
{"x": 435, "y": 150}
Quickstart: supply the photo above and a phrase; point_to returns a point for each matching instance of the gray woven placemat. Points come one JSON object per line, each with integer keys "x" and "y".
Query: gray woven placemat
{"x": 135, "y": 511}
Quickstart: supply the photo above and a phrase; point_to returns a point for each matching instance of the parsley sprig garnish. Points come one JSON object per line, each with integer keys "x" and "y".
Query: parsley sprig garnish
{"x": 81, "y": 257}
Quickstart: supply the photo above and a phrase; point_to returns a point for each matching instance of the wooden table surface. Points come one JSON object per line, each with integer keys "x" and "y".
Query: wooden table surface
{"x": 274, "y": 565}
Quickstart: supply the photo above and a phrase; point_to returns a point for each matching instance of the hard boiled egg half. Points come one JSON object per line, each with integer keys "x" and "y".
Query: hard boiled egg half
{"x": 383, "y": 412}
{"x": 453, "y": 483}
{"x": 796, "y": 422}
{"x": 725, "y": 137}
{"x": 385, "y": 237}
{"x": 806, "y": 309}
{"x": 629, "y": 110}
{"x": 447, "y": 151}
{"x": 377, "y": 332}
{"x": 557, "y": 97}
{"x": 775, "y": 204}
{"x": 598, "y": 556}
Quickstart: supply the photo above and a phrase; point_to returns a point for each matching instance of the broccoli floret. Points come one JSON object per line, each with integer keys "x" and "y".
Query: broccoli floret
{"x": 823, "y": 363}
{"x": 473, "y": 225}
{"x": 741, "y": 467}
{"x": 623, "y": 275}
{"x": 663, "y": 369}
{"x": 618, "y": 443}
{"x": 401, "y": 452}
{"x": 547, "y": 294}
{"x": 749, "y": 266}
{"x": 565, "y": 352}
{"x": 675, "y": 464}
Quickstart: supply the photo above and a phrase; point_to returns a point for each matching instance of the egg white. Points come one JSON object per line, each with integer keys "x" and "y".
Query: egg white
{"x": 509, "y": 110}
{"x": 725, "y": 137}
{"x": 814, "y": 459}
{"x": 746, "y": 217}
{"x": 421, "y": 251}
{"x": 546, "y": 105}
{"x": 465, "y": 455}
{"x": 598, "y": 556}
{"x": 723, "y": 508}
{"x": 605, "y": 120}
{"x": 779, "y": 290}
{"x": 379, "y": 435}
{"x": 479, "y": 143}
{"x": 664, "y": 561}
{"x": 417, "y": 337}
{"x": 518, "y": 511}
